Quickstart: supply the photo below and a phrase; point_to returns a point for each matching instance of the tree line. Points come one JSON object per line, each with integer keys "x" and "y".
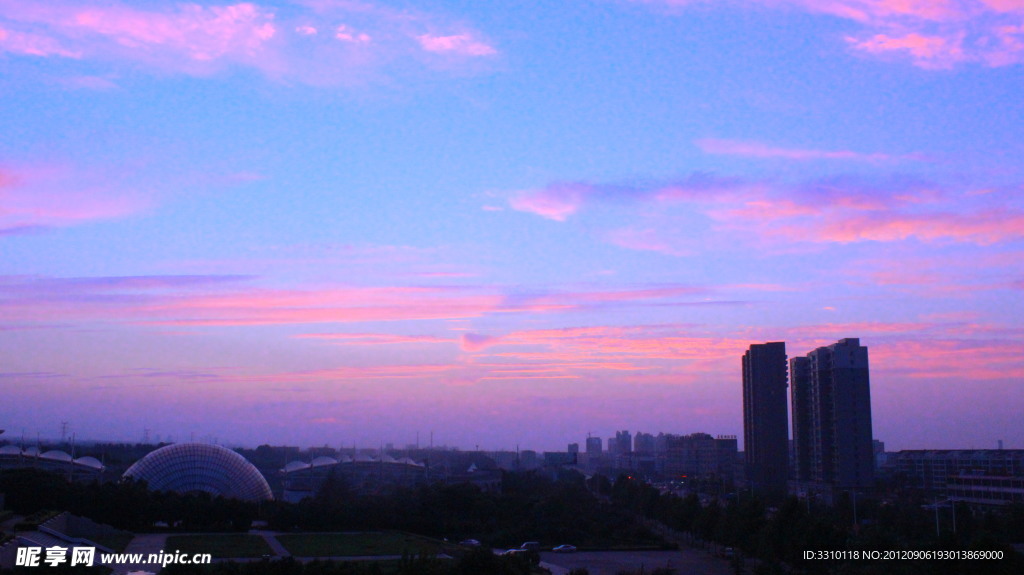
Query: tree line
{"x": 774, "y": 539}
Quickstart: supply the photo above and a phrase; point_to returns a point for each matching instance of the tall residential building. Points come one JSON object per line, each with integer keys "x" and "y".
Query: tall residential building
{"x": 799, "y": 373}
{"x": 623, "y": 442}
{"x": 593, "y": 446}
{"x": 765, "y": 424}
{"x": 832, "y": 416}
{"x": 643, "y": 442}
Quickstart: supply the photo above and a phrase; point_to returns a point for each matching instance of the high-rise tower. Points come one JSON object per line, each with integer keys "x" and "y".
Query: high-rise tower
{"x": 765, "y": 425}
{"x": 832, "y": 416}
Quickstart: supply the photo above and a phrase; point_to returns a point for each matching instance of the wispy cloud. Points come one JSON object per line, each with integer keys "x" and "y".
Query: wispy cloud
{"x": 374, "y": 338}
{"x": 215, "y": 300}
{"x": 463, "y": 44}
{"x": 311, "y": 42}
{"x": 762, "y": 150}
{"x": 555, "y": 202}
{"x": 932, "y": 34}
{"x": 560, "y": 200}
{"x": 832, "y": 210}
{"x": 36, "y": 198}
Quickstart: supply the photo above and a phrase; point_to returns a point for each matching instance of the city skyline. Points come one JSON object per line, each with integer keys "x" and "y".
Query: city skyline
{"x": 310, "y": 221}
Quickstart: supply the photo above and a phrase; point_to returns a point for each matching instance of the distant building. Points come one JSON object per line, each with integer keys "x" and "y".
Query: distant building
{"x": 701, "y": 455}
{"x": 878, "y": 450}
{"x": 76, "y": 469}
{"x": 559, "y": 458}
{"x": 765, "y": 425}
{"x": 593, "y": 446}
{"x": 528, "y": 459}
{"x": 977, "y": 476}
{"x": 831, "y": 398}
{"x": 624, "y": 441}
{"x": 643, "y": 443}
{"x": 372, "y": 471}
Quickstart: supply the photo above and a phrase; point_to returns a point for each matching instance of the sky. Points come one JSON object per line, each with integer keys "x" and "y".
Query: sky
{"x": 334, "y": 222}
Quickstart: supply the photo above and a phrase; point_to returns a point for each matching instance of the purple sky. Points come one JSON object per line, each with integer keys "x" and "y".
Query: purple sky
{"x": 335, "y": 222}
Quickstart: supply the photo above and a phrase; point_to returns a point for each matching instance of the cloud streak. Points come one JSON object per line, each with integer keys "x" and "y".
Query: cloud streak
{"x": 212, "y": 300}
{"x": 762, "y": 150}
{"x": 35, "y": 198}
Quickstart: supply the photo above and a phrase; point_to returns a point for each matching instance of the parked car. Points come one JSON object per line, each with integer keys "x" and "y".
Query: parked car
{"x": 530, "y": 546}
{"x": 565, "y": 549}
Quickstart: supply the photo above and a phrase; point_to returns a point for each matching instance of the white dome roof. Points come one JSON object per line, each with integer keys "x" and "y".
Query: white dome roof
{"x": 90, "y": 462}
{"x": 296, "y": 466}
{"x": 324, "y": 461}
{"x": 56, "y": 455}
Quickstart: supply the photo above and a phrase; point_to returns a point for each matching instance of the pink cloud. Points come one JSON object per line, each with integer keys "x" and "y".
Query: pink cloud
{"x": 1006, "y": 5}
{"x": 925, "y": 51}
{"x": 828, "y": 211}
{"x": 578, "y": 298}
{"x": 594, "y": 346}
{"x": 202, "y": 39}
{"x": 933, "y": 34}
{"x": 40, "y": 197}
{"x": 374, "y": 338}
{"x": 882, "y": 10}
{"x": 845, "y": 212}
{"x": 844, "y": 224}
{"x": 979, "y": 227}
{"x": 463, "y": 44}
{"x": 347, "y": 34}
{"x": 945, "y": 275}
{"x": 477, "y": 342}
{"x": 761, "y": 150}
{"x": 164, "y": 300}
{"x": 187, "y": 38}
{"x": 952, "y": 358}
{"x": 559, "y": 200}
{"x": 33, "y": 45}
{"x": 555, "y": 202}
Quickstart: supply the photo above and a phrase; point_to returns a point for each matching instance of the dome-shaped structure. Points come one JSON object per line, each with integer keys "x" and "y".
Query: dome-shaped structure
{"x": 90, "y": 462}
{"x": 296, "y": 465}
{"x": 56, "y": 455}
{"x": 322, "y": 461}
{"x": 187, "y": 467}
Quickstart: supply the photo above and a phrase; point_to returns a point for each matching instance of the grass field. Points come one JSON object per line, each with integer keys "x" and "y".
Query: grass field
{"x": 357, "y": 544}
{"x": 220, "y": 545}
